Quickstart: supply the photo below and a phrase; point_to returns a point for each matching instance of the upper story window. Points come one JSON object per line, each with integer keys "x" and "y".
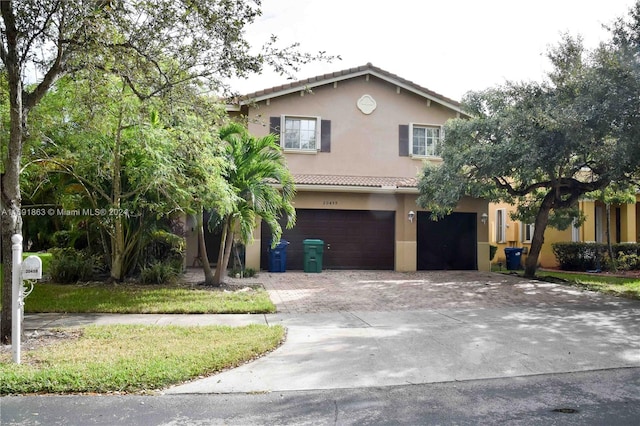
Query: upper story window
{"x": 302, "y": 133}
{"x": 425, "y": 140}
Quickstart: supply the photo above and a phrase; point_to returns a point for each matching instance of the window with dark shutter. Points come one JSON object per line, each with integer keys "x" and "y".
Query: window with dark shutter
{"x": 325, "y": 136}
{"x": 403, "y": 140}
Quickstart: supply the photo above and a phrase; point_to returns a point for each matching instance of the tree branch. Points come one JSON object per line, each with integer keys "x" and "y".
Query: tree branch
{"x": 54, "y": 72}
{"x": 29, "y": 43}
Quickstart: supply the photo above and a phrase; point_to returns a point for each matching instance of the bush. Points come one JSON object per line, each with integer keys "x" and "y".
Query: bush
{"x": 66, "y": 238}
{"x": 68, "y": 265}
{"x": 492, "y": 251}
{"x": 162, "y": 246}
{"x": 247, "y": 273}
{"x": 591, "y": 256}
{"x": 628, "y": 262}
{"x": 159, "y": 273}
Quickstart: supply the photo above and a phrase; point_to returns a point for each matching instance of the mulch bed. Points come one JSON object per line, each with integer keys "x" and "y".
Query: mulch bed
{"x": 41, "y": 338}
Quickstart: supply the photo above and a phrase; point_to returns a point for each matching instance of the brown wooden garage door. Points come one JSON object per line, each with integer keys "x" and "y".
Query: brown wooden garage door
{"x": 448, "y": 244}
{"x": 354, "y": 239}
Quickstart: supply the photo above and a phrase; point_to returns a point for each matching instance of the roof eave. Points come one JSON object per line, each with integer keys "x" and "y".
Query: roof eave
{"x": 355, "y": 189}
{"x": 304, "y": 86}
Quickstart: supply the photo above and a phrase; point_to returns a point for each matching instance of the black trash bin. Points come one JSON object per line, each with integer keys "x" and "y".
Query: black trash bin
{"x": 278, "y": 256}
{"x": 514, "y": 255}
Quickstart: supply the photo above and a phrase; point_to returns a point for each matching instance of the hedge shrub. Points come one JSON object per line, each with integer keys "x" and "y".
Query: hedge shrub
{"x": 593, "y": 256}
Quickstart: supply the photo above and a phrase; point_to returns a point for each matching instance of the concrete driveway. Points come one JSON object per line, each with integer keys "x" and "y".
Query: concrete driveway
{"x": 354, "y": 329}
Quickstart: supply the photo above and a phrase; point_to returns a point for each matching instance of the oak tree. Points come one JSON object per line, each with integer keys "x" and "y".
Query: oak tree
{"x": 544, "y": 145}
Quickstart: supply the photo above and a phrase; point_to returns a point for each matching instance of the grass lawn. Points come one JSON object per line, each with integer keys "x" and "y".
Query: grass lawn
{"x": 616, "y": 285}
{"x": 128, "y": 358}
{"x": 604, "y": 283}
{"x": 145, "y": 299}
{"x": 118, "y": 358}
{"x": 141, "y": 299}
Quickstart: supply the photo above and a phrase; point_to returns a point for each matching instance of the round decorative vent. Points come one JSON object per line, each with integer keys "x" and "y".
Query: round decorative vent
{"x": 366, "y": 104}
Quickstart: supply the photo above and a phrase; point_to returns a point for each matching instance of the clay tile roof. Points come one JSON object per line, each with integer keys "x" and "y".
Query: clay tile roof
{"x": 355, "y": 181}
{"x": 343, "y": 75}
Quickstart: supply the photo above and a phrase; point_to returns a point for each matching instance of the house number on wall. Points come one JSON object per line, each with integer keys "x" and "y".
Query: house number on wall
{"x": 329, "y": 203}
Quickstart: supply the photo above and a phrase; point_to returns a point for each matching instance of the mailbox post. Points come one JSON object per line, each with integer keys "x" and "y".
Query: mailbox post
{"x": 29, "y": 269}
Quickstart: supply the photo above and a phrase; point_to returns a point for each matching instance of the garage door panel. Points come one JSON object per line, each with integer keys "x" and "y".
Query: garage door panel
{"x": 447, "y": 244}
{"x": 354, "y": 239}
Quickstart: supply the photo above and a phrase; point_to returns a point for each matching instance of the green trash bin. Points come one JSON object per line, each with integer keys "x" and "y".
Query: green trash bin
{"x": 313, "y": 255}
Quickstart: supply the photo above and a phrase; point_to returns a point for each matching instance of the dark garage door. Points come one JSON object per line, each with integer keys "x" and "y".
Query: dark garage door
{"x": 354, "y": 239}
{"x": 448, "y": 244}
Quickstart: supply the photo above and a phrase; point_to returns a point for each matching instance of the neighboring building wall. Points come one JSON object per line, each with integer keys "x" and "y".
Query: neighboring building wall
{"x": 624, "y": 222}
{"x": 515, "y": 235}
{"x": 624, "y": 225}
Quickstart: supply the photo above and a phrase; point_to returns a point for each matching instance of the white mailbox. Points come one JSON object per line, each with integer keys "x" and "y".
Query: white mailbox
{"x": 32, "y": 268}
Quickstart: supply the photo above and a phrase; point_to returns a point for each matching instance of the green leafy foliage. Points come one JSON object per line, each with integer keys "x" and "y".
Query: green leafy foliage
{"x": 160, "y": 273}
{"x": 543, "y": 146}
{"x": 68, "y": 265}
{"x": 628, "y": 261}
{"x": 153, "y": 48}
{"x": 257, "y": 164}
{"x": 239, "y": 273}
{"x": 492, "y": 251}
{"x": 577, "y": 256}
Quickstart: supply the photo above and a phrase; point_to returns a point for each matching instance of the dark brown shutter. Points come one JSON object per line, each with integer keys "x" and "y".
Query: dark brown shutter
{"x": 325, "y": 136}
{"x": 403, "y": 140}
{"x": 274, "y": 125}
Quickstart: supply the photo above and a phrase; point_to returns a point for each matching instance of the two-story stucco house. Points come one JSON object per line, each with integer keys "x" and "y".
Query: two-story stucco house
{"x": 355, "y": 141}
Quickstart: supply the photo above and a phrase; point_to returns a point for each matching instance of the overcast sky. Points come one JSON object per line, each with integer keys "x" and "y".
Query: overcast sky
{"x": 450, "y": 47}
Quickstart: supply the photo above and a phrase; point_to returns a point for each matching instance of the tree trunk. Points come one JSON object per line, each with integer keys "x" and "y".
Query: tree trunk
{"x": 225, "y": 247}
{"x": 11, "y": 223}
{"x": 10, "y": 218}
{"x": 117, "y": 250}
{"x": 609, "y": 246}
{"x": 542, "y": 219}
{"x": 117, "y": 237}
{"x": 202, "y": 246}
{"x": 227, "y": 250}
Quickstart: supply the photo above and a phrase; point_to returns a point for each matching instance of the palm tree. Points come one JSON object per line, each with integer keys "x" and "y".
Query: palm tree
{"x": 263, "y": 184}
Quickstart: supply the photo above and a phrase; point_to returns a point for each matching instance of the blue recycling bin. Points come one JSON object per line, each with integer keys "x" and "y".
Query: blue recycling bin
{"x": 513, "y": 255}
{"x": 278, "y": 256}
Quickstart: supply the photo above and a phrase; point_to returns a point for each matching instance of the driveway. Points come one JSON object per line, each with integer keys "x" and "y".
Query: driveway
{"x": 358, "y": 329}
{"x": 388, "y": 291}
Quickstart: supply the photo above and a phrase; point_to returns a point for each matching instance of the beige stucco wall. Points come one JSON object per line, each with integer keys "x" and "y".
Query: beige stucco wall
{"x": 361, "y": 145}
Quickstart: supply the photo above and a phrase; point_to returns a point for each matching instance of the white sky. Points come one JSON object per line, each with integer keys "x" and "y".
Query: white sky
{"x": 450, "y": 47}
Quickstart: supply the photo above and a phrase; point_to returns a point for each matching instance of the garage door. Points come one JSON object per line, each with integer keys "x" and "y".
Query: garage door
{"x": 354, "y": 239}
{"x": 448, "y": 244}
